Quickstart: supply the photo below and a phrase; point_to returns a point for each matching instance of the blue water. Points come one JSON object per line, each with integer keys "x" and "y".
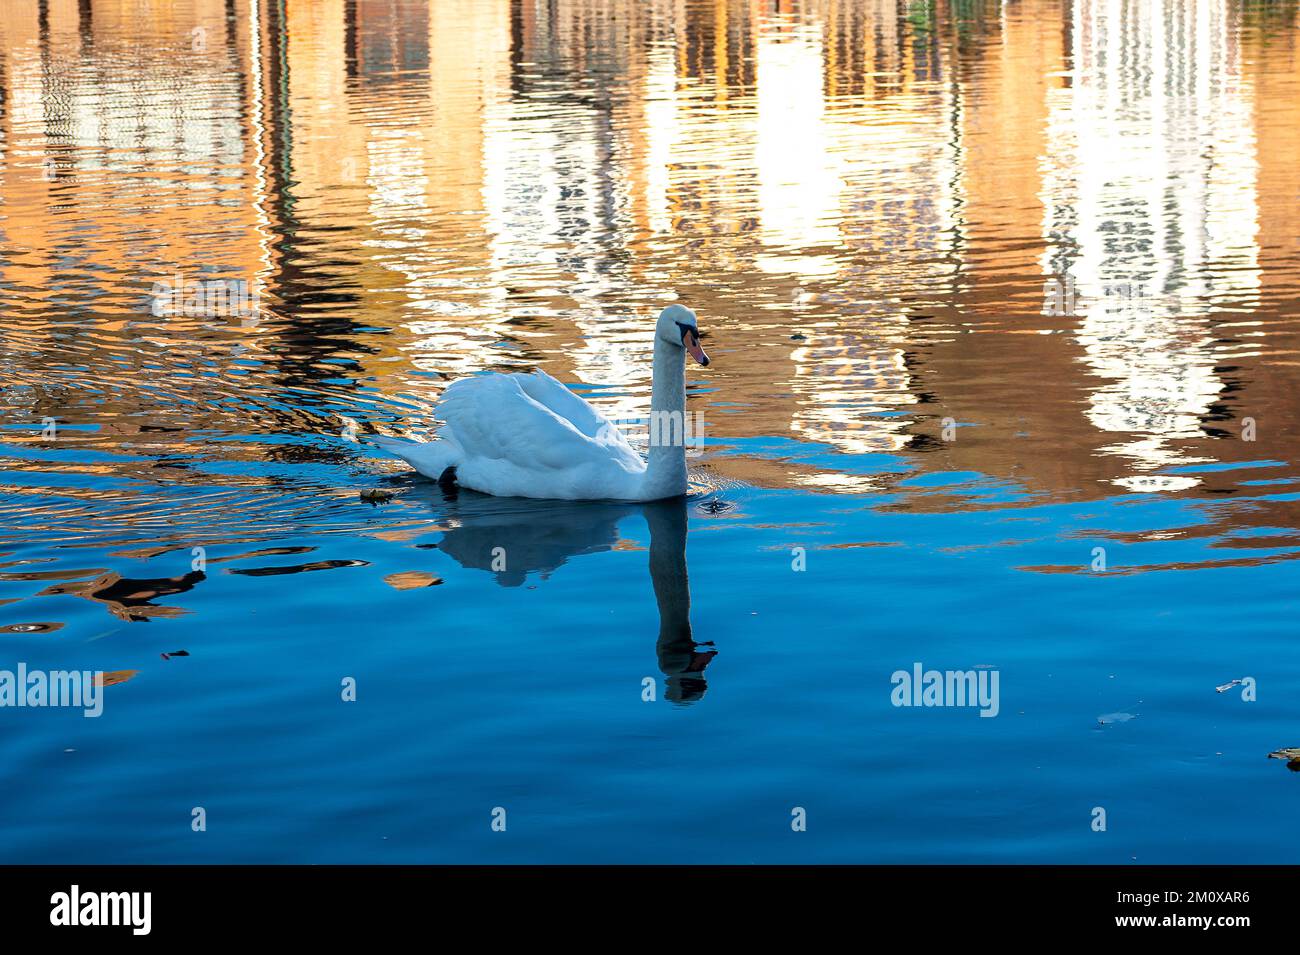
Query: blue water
{"x": 909, "y": 457}
{"x": 526, "y": 694}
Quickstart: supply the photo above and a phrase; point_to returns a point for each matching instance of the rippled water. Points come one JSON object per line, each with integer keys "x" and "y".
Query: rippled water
{"x": 988, "y": 286}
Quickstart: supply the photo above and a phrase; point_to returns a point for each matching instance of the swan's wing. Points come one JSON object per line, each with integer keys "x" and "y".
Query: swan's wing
{"x": 572, "y": 407}
{"x": 492, "y": 417}
{"x": 430, "y": 458}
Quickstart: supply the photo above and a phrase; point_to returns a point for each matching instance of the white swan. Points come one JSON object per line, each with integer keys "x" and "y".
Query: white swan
{"x": 526, "y": 435}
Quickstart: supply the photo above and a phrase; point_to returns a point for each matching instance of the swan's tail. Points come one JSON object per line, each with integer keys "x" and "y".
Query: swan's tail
{"x": 432, "y": 458}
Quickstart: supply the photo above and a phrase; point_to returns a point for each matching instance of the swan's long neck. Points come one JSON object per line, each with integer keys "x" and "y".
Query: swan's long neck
{"x": 665, "y": 474}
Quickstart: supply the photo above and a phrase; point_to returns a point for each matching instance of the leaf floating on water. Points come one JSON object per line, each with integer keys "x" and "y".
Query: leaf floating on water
{"x": 1292, "y": 754}
{"x": 31, "y": 628}
{"x": 1228, "y": 686}
{"x": 114, "y": 677}
{"x": 375, "y": 495}
{"x": 411, "y": 580}
{"x": 1107, "y": 718}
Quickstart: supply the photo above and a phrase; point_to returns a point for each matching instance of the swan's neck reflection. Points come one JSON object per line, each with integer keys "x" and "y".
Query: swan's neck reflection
{"x": 680, "y": 658}
{"x": 538, "y": 537}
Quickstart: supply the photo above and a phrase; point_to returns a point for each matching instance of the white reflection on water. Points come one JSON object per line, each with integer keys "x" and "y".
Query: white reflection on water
{"x": 1151, "y": 212}
{"x": 862, "y": 182}
{"x": 799, "y": 184}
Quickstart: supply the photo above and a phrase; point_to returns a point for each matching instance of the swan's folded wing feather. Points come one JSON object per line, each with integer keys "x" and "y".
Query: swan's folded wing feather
{"x": 493, "y": 417}
{"x": 430, "y": 458}
{"x": 572, "y": 407}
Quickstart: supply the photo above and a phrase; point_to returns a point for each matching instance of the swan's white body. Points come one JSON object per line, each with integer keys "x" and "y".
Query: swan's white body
{"x": 526, "y": 435}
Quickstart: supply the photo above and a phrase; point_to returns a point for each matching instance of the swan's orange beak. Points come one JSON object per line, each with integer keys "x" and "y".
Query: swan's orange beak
{"x": 691, "y": 339}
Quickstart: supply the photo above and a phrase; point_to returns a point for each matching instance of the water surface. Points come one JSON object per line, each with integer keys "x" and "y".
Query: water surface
{"x": 988, "y": 287}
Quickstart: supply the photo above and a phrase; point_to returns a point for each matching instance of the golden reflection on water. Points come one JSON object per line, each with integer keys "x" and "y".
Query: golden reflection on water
{"x": 868, "y": 202}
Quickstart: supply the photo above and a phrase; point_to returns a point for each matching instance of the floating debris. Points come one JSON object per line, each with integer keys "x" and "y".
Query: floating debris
{"x": 715, "y": 506}
{"x": 796, "y": 337}
{"x": 376, "y": 495}
{"x": 1227, "y": 686}
{"x": 113, "y": 677}
{"x": 31, "y": 628}
{"x": 1107, "y": 718}
{"x": 175, "y": 653}
{"x": 411, "y": 580}
{"x": 1291, "y": 755}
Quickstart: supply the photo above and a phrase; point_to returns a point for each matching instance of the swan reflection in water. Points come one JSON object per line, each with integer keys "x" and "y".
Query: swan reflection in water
{"x": 540, "y": 536}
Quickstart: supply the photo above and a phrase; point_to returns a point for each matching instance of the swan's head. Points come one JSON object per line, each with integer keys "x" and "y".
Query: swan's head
{"x": 677, "y": 327}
